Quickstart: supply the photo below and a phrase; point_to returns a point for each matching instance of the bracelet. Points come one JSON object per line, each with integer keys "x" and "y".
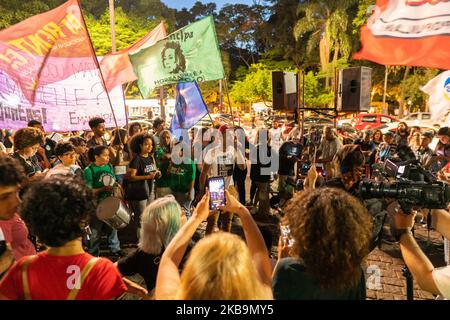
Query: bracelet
{"x": 400, "y": 232}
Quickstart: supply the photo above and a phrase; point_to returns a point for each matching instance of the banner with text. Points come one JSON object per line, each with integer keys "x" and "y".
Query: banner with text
{"x": 46, "y": 48}
{"x": 66, "y": 105}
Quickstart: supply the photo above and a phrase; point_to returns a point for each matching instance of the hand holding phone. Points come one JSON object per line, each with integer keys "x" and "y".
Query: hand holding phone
{"x": 216, "y": 186}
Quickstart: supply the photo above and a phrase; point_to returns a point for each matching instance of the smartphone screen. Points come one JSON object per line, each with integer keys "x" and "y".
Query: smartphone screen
{"x": 216, "y": 188}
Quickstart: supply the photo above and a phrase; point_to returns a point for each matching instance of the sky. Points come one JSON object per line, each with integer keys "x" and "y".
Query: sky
{"x": 179, "y": 4}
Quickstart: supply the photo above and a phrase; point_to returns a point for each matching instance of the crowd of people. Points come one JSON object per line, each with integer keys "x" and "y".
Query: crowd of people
{"x": 49, "y": 192}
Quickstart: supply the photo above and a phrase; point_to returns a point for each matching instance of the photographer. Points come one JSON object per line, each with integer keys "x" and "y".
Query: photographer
{"x": 436, "y": 281}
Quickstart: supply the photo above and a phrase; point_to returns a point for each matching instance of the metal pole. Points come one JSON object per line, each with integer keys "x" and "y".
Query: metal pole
{"x": 220, "y": 96}
{"x": 99, "y": 70}
{"x": 228, "y": 97}
{"x": 112, "y": 23}
{"x": 385, "y": 111}
{"x": 161, "y": 103}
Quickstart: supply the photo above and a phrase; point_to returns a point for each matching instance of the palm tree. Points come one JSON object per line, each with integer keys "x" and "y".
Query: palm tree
{"x": 324, "y": 24}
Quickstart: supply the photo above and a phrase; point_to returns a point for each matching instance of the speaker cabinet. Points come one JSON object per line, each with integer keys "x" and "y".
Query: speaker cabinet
{"x": 284, "y": 90}
{"x": 354, "y": 89}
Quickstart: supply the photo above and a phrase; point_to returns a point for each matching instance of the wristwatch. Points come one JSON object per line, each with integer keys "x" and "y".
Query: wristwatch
{"x": 400, "y": 232}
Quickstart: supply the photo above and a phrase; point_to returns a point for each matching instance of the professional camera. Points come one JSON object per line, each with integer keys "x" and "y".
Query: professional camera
{"x": 414, "y": 186}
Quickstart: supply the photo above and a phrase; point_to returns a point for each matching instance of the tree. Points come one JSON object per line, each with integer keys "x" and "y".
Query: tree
{"x": 325, "y": 25}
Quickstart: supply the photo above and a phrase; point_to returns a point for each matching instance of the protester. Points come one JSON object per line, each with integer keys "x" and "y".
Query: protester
{"x": 402, "y": 134}
{"x": 142, "y": 171}
{"x": 276, "y": 137}
{"x": 182, "y": 177}
{"x": 289, "y": 154}
{"x": 158, "y": 127}
{"x": 66, "y": 161}
{"x": 134, "y": 129}
{"x": 119, "y": 153}
{"x": 81, "y": 149}
{"x": 377, "y": 137}
{"x": 219, "y": 161}
{"x": 443, "y": 147}
{"x": 47, "y": 151}
{"x": 239, "y": 175}
{"x": 27, "y": 142}
{"x": 331, "y": 232}
{"x": 220, "y": 266}
{"x": 415, "y": 141}
{"x": 14, "y": 229}
{"x": 424, "y": 153}
{"x": 57, "y": 211}
{"x": 162, "y": 156}
{"x": 387, "y": 148}
{"x": 100, "y": 177}
{"x": 328, "y": 147}
{"x": 260, "y": 172}
{"x": 160, "y": 221}
{"x": 97, "y": 126}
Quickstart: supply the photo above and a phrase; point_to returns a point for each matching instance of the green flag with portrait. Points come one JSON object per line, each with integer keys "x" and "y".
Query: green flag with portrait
{"x": 189, "y": 54}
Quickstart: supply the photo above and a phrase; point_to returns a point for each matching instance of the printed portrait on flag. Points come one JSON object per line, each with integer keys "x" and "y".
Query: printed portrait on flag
{"x": 189, "y": 54}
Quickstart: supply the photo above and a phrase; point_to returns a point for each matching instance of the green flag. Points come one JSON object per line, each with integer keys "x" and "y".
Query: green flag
{"x": 189, "y": 54}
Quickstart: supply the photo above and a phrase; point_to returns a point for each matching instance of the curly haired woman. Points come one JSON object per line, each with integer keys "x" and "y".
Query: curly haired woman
{"x": 332, "y": 231}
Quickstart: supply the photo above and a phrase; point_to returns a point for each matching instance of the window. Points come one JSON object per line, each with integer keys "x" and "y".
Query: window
{"x": 426, "y": 116}
{"x": 386, "y": 120}
{"x": 412, "y": 116}
{"x": 371, "y": 119}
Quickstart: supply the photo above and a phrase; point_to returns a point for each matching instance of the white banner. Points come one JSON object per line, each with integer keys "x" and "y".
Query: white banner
{"x": 66, "y": 105}
{"x": 438, "y": 89}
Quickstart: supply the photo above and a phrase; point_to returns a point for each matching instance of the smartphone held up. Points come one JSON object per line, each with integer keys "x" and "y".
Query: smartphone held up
{"x": 216, "y": 186}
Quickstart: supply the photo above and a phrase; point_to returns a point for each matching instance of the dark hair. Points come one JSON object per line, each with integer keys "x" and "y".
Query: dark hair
{"x": 179, "y": 56}
{"x": 57, "y": 209}
{"x": 406, "y": 126}
{"x": 138, "y": 140}
{"x": 332, "y": 232}
{"x": 444, "y": 131}
{"x": 94, "y": 122}
{"x": 131, "y": 129}
{"x": 77, "y": 141}
{"x": 157, "y": 122}
{"x": 95, "y": 151}
{"x": 27, "y": 137}
{"x": 33, "y": 123}
{"x": 12, "y": 172}
{"x": 118, "y": 138}
{"x": 63, "y": 147}
{"x": 348, "y": 158}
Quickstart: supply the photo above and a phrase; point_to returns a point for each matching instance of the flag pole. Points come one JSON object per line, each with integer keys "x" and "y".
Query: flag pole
{"x": 228, "y": 97}
{"x": 98, "y": 66}
{"x": 385, "y": 89}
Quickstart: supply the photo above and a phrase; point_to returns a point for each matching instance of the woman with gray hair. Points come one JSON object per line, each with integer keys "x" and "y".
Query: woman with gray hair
{"x": 160, "y": 221}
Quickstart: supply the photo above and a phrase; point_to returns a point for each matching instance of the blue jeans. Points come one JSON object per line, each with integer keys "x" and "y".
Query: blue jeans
{"x": 97, "y": 226}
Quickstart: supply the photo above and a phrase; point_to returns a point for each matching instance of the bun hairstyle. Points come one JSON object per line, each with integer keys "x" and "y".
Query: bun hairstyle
{"x": 95, "y": 151}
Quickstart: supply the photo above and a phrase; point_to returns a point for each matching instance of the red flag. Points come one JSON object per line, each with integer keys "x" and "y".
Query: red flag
{"x": 46, "y": 48}
{"x": 408, "y": 32}
{"x": 116, "y": 67}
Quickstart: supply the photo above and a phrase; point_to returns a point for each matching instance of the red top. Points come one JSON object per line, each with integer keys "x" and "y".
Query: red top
{"x": 51, "y": 278}
{"x": 16, "y": 233}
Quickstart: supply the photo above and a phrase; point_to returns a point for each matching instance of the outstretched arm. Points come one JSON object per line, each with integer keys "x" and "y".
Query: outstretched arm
{"x": 168, "y": 280}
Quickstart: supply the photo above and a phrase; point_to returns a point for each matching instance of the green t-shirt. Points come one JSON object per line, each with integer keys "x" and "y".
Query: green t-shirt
{"x": 181, "y": 176}
{"x": 163, "y": 165}
{"x": 96, "y": 177}
{"x": 292, "y": 282}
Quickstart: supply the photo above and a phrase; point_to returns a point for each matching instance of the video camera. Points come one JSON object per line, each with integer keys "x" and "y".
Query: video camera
{"x": 414, "y": 186}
